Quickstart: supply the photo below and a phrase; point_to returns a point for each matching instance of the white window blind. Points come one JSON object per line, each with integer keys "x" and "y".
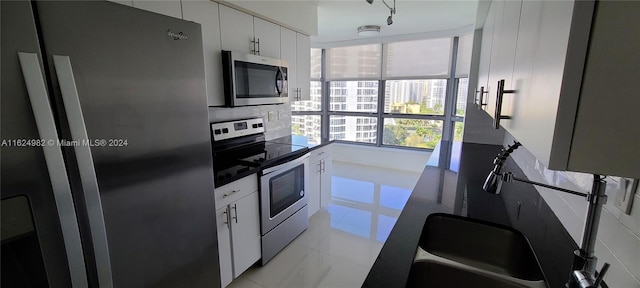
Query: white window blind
{"x": 316, "y": 63}
{"x": 354, "y": 62}
{"x": 423, "y": 58}
{"x": 463, "y": 63}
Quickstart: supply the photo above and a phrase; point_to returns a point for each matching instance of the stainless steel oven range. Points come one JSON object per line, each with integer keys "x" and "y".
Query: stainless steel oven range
{"x": 239, "y": 149}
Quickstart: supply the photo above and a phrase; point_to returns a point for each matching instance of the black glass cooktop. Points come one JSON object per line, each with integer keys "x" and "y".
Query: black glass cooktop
{"x": 234, "y": 163}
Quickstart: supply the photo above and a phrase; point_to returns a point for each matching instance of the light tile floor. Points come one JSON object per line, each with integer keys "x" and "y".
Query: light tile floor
{"x": 343, "y": 239}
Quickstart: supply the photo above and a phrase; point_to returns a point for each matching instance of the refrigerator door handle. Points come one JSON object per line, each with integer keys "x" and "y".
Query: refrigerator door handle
{"x": 84, "y": 158}
{"x": 43, "y": 115}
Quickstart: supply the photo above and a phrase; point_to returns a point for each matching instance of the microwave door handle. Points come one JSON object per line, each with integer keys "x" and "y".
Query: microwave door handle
{"x": 279, "y": 81}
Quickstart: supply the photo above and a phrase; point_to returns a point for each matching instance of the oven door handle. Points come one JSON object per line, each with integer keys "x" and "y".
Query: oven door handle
{"x": 287, "y": 165}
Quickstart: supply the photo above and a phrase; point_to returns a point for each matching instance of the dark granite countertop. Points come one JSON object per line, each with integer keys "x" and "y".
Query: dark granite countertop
{"x": 450, "y": 183}
{"x": 302, "y": 140}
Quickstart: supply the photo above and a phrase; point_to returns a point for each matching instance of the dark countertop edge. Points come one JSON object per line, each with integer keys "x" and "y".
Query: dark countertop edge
{"x": 218, "y": 184}
{"x": 392, "y": 266}
{"x": 318, "y": 146}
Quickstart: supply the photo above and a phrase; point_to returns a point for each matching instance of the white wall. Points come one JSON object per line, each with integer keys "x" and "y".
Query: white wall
{"x": 618, "y": 234}
{"x": 403, "y": 159}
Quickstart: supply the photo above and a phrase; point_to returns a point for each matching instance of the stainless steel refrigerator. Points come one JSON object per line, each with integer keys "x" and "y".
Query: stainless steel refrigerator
{"x": 106, "y": 162}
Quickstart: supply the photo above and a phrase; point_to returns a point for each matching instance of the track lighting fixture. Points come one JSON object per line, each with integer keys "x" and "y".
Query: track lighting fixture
{"x": 391, "y": 10}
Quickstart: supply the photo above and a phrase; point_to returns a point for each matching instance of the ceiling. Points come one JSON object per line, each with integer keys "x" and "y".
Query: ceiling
{"x": 338, "y": 20}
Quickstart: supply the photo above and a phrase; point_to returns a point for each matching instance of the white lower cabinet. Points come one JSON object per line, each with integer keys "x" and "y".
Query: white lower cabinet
{"x": 319, "y": 190}
{"x": 224, "y": 246}
{"x": 245, "y": 232}
{"x": 238, "y": 225}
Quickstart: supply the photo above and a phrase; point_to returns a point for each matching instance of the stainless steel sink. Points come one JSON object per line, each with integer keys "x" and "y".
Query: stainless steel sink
{"x": 436, "y": 275}
{"x": 475, "y": 251}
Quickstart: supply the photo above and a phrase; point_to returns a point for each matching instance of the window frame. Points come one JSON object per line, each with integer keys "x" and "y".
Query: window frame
{"x": 449, "y": 117}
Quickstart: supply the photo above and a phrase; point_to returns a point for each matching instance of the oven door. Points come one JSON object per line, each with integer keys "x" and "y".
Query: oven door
{"x": 282, "y": 191}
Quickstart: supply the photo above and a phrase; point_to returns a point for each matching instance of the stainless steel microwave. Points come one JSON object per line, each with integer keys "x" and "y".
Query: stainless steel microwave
{"x": 253, "y": 79}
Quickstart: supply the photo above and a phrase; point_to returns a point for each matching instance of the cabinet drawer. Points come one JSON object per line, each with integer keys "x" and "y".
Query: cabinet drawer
{"x": 321, "y": 153}
{"x": 235, "y": 190}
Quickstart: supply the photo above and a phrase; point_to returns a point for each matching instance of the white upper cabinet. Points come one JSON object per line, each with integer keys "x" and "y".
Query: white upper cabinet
{"x": 267, "y": 36}
{"x": 503, "y": 50}
{"x": 288, "y": 51}
{"x": 574, "y": 82}
{"x": 606, "y": 136}
{"x": 247, "y": 34}
{"x": 206, "y": 13}
{"x": 485, "y": 60}
{"x": 296, "y": 50}
{"x": 165, "y": 7}
{"x": 303, "y": 66}
{"x": 236, "y": 30}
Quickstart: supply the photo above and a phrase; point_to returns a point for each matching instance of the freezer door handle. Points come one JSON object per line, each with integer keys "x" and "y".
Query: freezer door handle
{"x": 43, "y": 115}
{"x": 84, "y": 158}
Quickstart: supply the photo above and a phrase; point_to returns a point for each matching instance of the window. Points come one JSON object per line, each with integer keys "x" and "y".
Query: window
{"x": 458, "y": 131}
{"x": 307, "y": 125}
{"x": 354, "y": 62}
{"x": 412, "y": 132}
{"x": 415, "y": 96}
{"x": 357, "y": 96}
{"x": 429, "y": 57}
{"x": 345, "y": 128}
{"x": 415, "y": 89}
{"x": 463, "y": 59}
{"x": 461, "y": 96}
{"x": 316, "y": 63}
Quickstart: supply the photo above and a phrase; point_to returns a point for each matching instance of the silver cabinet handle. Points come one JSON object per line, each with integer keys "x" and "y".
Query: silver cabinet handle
{"x": 253, "y": 51}
{"x": 480, "y": 101}
{"x": 227, "y": 220}
{"x": 235, "y": 212}
{"x": 229, "y": 194}
{"x": 43, "y": 115}
{"x": 87, "y": 169}
{"x": 258, "y": 51}
{"x": 498, "y": 113}
{"x": 256, "y": 46}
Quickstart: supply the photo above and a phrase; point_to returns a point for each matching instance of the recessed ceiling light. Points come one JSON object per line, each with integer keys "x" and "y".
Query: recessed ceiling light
{"x": 369, "y": 30}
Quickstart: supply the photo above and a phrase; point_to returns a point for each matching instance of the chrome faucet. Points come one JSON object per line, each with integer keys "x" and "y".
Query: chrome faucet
{"x": 583, "y": 269}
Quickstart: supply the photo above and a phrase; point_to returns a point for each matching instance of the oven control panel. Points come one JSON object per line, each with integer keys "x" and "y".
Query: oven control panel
{"x": 237, "y": 128}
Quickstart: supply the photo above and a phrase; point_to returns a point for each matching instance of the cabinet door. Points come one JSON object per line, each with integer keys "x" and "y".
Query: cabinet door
{"x": 206, "y": 13}
{"x": 313, "y": 191}
{"x": 166, "y": 7}
{"x": 288, "y": 53}
{"x": 485, "y": 55}
{"x": 245, "y": 227}
{"x": 325, "y": 182}
{"x": 538, "y": 74}
{"x": 303, "y": 66}
{"x": 503, "y": 52}
{"x": 236, "y": 30}
{"x": 268, "y": 35}
{"x": 224, "y": 246}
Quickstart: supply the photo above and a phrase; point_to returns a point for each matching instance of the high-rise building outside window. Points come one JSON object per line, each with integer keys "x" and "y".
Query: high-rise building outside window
{"x": 394, "y": 94}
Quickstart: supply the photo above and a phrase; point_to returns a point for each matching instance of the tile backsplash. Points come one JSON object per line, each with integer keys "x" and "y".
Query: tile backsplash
{"x": 618, "y": 234}
{"x": 279, "y": 126}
